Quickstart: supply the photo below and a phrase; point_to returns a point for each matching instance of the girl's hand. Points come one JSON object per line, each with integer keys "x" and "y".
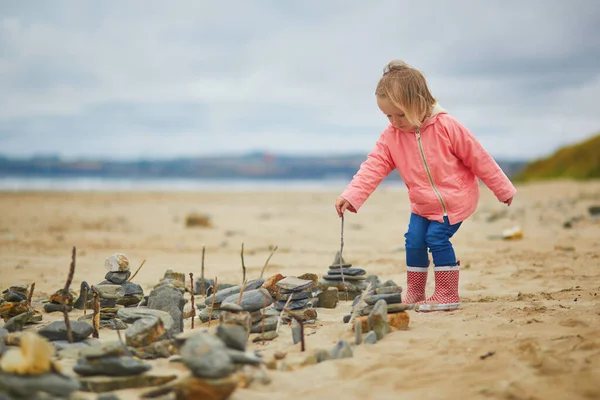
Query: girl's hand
{"x": 341, "y": 205}
{"x": 509, "y": 201}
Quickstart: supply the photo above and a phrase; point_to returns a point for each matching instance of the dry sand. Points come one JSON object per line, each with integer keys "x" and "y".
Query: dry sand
{"x": 533, "y": 302}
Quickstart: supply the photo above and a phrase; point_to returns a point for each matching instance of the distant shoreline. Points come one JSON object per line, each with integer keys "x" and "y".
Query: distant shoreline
{"x": 128, "y": 184}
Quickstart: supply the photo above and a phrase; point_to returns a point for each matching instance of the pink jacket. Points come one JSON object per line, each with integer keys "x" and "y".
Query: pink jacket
{"x": 440, "y": 166}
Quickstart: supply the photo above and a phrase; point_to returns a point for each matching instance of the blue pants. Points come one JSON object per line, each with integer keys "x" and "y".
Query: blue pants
{"x": 423, "y": 234}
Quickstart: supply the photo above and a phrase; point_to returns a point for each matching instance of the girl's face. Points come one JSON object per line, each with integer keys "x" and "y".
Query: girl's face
{"x": 395, "y": 115}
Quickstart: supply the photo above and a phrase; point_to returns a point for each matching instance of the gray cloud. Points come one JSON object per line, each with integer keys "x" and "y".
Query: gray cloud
{"x": 193, "y": 77}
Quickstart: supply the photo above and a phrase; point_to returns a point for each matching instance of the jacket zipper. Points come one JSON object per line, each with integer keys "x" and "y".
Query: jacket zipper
{"x": 439, "y": 196}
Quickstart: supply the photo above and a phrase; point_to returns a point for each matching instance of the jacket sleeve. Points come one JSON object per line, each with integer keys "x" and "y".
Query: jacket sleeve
{"x": 477, "y": 159}
{"x": 373, "y": 170}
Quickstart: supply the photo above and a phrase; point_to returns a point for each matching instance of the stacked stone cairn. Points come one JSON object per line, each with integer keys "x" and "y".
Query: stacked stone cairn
{"x": 254, "y": 301}
{"x": 14, "y": 309}
{"x": 354, "y": 279}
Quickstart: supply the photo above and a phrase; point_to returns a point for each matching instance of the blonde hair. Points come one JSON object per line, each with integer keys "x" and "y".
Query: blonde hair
{"x": 406, "y": 88}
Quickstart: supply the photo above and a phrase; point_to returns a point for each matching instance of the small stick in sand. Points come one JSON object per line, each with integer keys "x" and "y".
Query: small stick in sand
{"x": 212, "y": 306}
{"x": 299, "y": 320}
{"x": 192, "y": 299}
{"x": 64, "y": 296}
{"x": 341, "y": 250}
{"x": 136, "y": 271}
{"x": 282, "y": 312}
{"x": 96, "y": 318}
{"x": 85, "y": 294}
{"x": 267, "y": 262}
{"x": 262, "y": 319}
{"x": 242, "y": 292}
{"x": 202, "y": 273}
{"x": 243, "y": 265}
{"x": 127, "y": 351}
{"x": 30, "y": 294}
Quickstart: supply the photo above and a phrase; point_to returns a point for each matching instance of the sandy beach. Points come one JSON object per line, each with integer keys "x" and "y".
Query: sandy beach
{"x": 528, "y": 326}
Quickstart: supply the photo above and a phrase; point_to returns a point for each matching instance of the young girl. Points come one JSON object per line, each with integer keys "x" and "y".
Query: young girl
{"x": 440, "y": 162}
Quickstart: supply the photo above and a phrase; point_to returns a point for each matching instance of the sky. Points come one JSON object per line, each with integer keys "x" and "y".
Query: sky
{"x": 157, "y": 79}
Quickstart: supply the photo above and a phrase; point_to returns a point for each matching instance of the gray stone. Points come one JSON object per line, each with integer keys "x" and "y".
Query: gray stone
{"x": 388, "y": 289}
{"x": 270, "y": 324}
{"x": 292, "y": 305}
{"x": 132, "y": 289}
{"x": 3, "y": 332}
{"x": 252, "y": 300}
{"x": 230, "y": 307}
{"x": 328, "y": 298}
{"x": 205, "y": 314}
{"x": 117, "y": 277}
{"x": 223, "y": 294}
{"x": 294, "y": 295}
{"x": 370, "y": 338}
{"x": 234, "y": 336}
{"x": 61, "y": 345}
{"x": 296, "y": 331}
{"x": 373, "y": 280}
{"x": 57, "y": 330}
{"x": 145, "y": 331}
{"x": 130, "y": 315}
{"x": 346, "y": 278}
{"x": 109, "y": 291}
{"x": 168, "y": 298}
{"x": 206, "y": 356}
{"x": 29, "y": 386}
{"x": 244, "y": 357}
{"x": 110, "y": 366}
{"x": 346, "y": 271}
{"x": 342, "y": 349}
{"x": 293, "y": 284}
{"x": 357, "y": 332}
{"x": 79, "y": 302}
{"x": 378, "y": 319}
{"x": 53, "y": 307}
{"x": 16, "y": 323}
{"x": 391, "y": 298}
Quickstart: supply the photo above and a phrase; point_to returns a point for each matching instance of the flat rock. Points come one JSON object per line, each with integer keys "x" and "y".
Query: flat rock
{"x": 100, "y": 384}
{"x": 292, "y": 305}
{"x": 342, "y": 349}
{"x": 388, "y": 289}
{"x": 294, "y": 295}
{"x": 391, "y": 298}
{"x": 110, "y": 291}
{"x": 355, "y": 286}
{"x": 291, "y": 283}
{"x": 378, "y": 319}
{"x": 332, "y": 277}
{"x": 57, "y": 330}
{"x": 270, "y": 324}
{"x": 252, "y": 300}
{"x": 111, "y": 366}
{"x": 391, "y": 308}
{"x": 27, "y": 387}
{"x": 106, "y": 349}
{"x": 223, "y": 294}
{"x": 117, "y": 277}
{"x": 145, "y": 331}
{"x": 130, "y": 315}
{"x": 244, "y": 357}
{"x": 346, "y": 271}
{"x": 206, "y": 356}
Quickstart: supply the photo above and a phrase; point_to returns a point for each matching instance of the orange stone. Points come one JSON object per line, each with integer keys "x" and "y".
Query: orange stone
{"x": 399, "y": 320}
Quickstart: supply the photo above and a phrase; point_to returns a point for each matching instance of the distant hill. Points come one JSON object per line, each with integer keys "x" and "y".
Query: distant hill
{"x": 579, "y": 161}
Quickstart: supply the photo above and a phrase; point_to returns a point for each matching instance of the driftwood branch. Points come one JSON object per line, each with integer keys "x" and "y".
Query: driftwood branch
{"x": 85, "y": 298}
{"x": 243, "y": 264}
{"x": 341, "y": 258}
{"x": 242, "y": 292}
{"x": 267, "y": 262}
{"x": 192, "y": 299}
{"x": 64, "y": 296}
{"x": 30, "y": 295}
{"x": 136, "y": 271}
{"x": 202, "y": 273}
{"x": 96, "y": 317}
{"x": 282, "y": 312}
